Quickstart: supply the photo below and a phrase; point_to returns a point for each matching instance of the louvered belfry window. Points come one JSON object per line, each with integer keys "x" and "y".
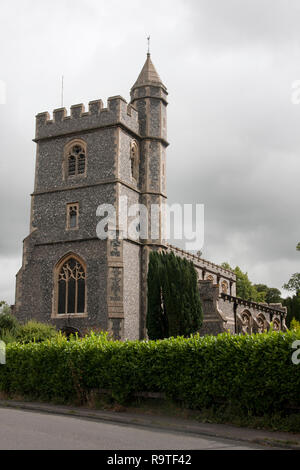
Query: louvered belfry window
{"x": 76, "y": 160}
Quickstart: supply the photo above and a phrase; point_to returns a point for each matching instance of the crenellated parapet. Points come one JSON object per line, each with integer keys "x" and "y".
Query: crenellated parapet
{"x": 118, "y": 111}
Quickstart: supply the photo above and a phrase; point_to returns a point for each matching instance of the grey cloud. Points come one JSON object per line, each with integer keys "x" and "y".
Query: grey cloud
{"x": 235, "y": 22}
{"x": 234, "y": 134}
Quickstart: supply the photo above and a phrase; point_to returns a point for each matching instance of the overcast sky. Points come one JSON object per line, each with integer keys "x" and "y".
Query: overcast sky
{"x": 228, "y": 65}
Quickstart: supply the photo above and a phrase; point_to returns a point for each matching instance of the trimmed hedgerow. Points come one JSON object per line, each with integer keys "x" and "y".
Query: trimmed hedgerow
{"x": 255, "y": 373}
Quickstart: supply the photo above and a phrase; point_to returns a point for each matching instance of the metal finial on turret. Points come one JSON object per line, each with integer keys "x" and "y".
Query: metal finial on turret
{"x": 148, "y": 39}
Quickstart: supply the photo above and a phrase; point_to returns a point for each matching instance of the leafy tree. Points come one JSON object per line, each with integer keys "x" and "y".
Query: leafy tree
{"x": 227, "y": 266}
{"x": 271, "y": 294}
{"x": 8, "y": 324}
{"x": 295, "y": 325}
{"x": 294, "y": 284}
{"x": 244, "y": 287}
{"x": 293, "y": 308}
{"x": 293, "y": 303}
{"x": 174, "y": 307}
{"x": 298, "y": 246}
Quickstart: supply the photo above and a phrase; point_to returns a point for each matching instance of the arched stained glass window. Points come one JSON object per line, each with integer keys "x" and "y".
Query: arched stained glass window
{"x": 71, "y": 287}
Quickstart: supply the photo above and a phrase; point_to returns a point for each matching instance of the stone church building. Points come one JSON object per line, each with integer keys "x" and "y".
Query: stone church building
{"x": 76, "y": 281}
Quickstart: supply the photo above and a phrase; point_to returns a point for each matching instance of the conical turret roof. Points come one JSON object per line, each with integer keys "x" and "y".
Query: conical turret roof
{"x": 148, "y": 75}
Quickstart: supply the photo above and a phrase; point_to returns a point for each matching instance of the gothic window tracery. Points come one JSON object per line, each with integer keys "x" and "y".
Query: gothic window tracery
{"x": 76, "y": 159}
{"x": 71, "y": 287}
{"x": 246, "y": 323}
{"x": 261, "y": 323}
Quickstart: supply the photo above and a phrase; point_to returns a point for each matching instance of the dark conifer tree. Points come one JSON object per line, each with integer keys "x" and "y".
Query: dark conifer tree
{"x": 174, "y": 306}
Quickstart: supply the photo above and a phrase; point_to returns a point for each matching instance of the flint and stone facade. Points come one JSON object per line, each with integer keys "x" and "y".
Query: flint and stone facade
{"x": 123, "y": 150}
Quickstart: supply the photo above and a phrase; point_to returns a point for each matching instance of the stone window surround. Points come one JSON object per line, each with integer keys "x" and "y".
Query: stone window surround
{"x": 261, "y": 323}
{"x": 55, "y": 315}
{"x": 71, "y": 205}
{"x": 246, "y": 322}
{"x": 134, "y": 160}
{"x": 67, "y": 149}
{"x": 224, "y": 286}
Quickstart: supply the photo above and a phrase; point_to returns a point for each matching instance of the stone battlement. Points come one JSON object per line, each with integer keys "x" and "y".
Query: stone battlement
{"x": 118, "y": 111}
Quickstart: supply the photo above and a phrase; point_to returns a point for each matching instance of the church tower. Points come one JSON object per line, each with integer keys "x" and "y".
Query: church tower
{"x": 149, "y": 97}
{"x": 70, "y": 276}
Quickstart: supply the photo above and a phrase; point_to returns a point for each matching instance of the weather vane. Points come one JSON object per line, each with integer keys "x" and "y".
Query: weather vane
{"x": 148, "y": 39}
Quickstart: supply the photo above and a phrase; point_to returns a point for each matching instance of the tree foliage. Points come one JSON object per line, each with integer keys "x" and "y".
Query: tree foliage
{"x": 8, "y": 323}
{"x": 293, "y": 303}
{"x": 248, "y": 291}
{"x": 174, "y": 306}
{"x": 271, "y": 294}
{"x": 294, "y": 284}
{"x": 12, "y": 331}
{"x": 293, "y": 308}
{"x": 295, "y": 325}
{"x": 4, "y": 308}
{"x": 157, "y": 321}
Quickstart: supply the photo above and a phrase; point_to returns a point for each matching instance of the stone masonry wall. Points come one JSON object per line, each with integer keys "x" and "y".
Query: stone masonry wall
{"x": 38, "y": 284}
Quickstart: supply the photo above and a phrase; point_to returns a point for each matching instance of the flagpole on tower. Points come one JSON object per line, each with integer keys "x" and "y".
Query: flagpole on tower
{"x": 62, "y": 91}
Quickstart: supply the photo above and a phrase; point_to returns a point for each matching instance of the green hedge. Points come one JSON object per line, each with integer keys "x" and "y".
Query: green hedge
{"x": 254, "y": 372}
{"x": 11, "y": 330}
{"x": 35, "y": 331}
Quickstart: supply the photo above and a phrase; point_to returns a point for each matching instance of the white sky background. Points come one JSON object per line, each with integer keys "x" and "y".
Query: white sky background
{"x": 235, "y": 135}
